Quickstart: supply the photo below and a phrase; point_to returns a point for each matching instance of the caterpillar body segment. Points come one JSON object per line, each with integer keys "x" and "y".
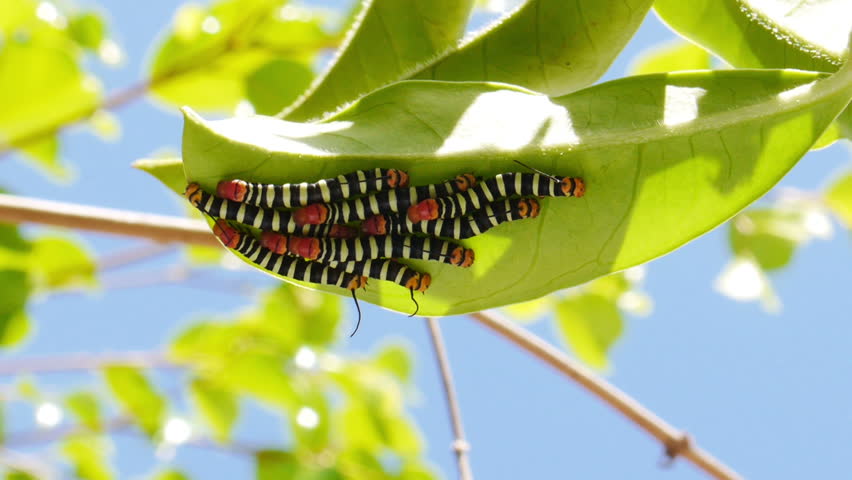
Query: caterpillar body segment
{"x": 393, "y": 200}
{"x": 327, "y": 190}
{"x": 329, "y": 250}
{"x": 478, "y": 222}
{"x": 500, "y": 186}
{"x": 390, "y": 270}
{"x": 285, "y": 265}
{"x": 261, "y": 218}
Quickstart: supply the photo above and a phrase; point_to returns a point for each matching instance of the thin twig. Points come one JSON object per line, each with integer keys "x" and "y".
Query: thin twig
{"x": 460, "y": 445}
{"x": 84, "y": 361}
{"x": 132, "y": 255}
{"x": 15, "y": 209}
{"x": 61, "y": 432}
{"x": 675, "y": 442}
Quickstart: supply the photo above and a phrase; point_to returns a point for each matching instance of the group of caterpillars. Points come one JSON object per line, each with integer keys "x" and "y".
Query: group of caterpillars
{"x": 307, "y": 232}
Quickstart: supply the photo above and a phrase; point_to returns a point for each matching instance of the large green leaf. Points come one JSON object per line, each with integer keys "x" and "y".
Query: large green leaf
{"x": 665, "y": 159}
{"x": 389, "y": 41}
{"x": 590, "y": 324}
{"x": 218, "y": 406}
{"x": 137, "y": 397}
{"x": 551, "y": 46}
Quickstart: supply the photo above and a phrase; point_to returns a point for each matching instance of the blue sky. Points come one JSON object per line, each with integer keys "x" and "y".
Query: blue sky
{"x": 770, "y": 395}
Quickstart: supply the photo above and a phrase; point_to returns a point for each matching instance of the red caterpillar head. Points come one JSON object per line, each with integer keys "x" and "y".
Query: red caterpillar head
{"x": 193, "y": 194}
{"x": 232, "y": 190}
{"x": 375, "y": 225}
{"x": 342, "y": 231}
{"x": 465, "y": 181}
{"x": 304, "y": 247}
{"x": 314, "y": 214}
{"x": 274, "y": 241}
{"x": 419, "y": 282}
{"x": 425, "y": 210}
{"x": 397, "y": 178}
{"x": 226, "y": 234}
{"x": 573, "y": 186}
{"x": 462, "y": 257}
{"x": 528, "y": 208}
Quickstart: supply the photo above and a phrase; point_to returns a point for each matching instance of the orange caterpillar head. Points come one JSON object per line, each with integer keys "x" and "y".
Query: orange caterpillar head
{"x": 465, "y": 181}
{"x": 193, "y": 193}
{"x": 419, "y": 282}
{"x": 462, "y": 257}
{"x": 375, "y": 225}
{"x": 232, "y": 190}
{"x": 528, "y": 208}
{"x": 397, "y": 178}
{"x": 226, "y": 234}
{"x": 314, "y": 214}
{"x": 573, "y": 186}
{"x": 356, "y": 283}
{"x": 425, "y": 210}
{"x": 304, "y": 247}
{"x": 274, "y": 241}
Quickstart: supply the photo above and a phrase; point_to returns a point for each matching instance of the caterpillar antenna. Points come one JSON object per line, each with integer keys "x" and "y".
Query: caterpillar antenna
{"x": 538, "y": 171}
{"x": 416, "y": 305}
{"x": 357, "y": 307}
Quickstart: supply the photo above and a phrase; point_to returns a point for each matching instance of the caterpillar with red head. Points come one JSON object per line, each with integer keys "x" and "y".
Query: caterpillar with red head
{"x": 500, "y": 186}
{"x": 480, "y": 221}
{"x": 260, "y": 218}
{"x": 328, "y": 190}
{"x": 329, "y": 250}
{"x": 394, "y": 200}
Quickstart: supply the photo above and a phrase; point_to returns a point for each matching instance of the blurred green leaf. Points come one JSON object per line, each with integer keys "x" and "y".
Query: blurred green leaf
{"x": 137, "y": 397}
{"x": 276, "y": 465}
{"x": 18, "y": 475}
{"x": 770, "y": 235}
{"x": 218, "y": 407}
{"x": 88, "y": 29}
{"x": 105, "y": 125}
{"x": 14, "y": 324}
{"x": 397, "y": 38}
{"x": 550, "y": 46}
{"x": 396, "y": 360}
{"x": 260, "y": 376}
{"x": 312, "y": 425}
{"x": 87, "y": 453}
{"x": 528, "y": 312}
{"x": 58, "y": 262}
{"x": 610, "y": 287}
{"x": 277, "y": 84}
{"x": 85, "y": 406}
{"x": 168, "y": 170}
{"x": 170, "y": 475}
{"x": 590, "y": 324}
{"x": 678, "y": 55}
{"x": 296, "y": 316}
{"x": 200, "y": 255}
{"x": 838, "y": 197}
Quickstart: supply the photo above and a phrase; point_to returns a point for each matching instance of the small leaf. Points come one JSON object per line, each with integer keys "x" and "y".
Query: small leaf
{"x": 678, "y": 55}
{"x": 838, "y": 197}
{"x": 590, "y": 325}
{"x": 277, "y": 84}
{"x": 88, "y": 29}
{"x": 218, "y": 406}
{"x": 87, "y": 454}
{"x": 170, "y": 475}
{"x": 276, "y": 465}
{"x": 14, "y": 324}
{"x": 168, "y": 170}
{"x": 105, "y": 125}
{"x": 86, "y": 408}
{"x": 395, "y": 359}
{"x": 531, "y": 311}
{"x": 58, "y": 262}
{"x": 137, "y": 396}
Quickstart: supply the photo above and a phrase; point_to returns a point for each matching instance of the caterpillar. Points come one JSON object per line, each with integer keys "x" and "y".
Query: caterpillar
{"x": 299, "y": 194}
{"x": 478, "y": 222}
{"x": 328, "y": 250}
{"x": 289, "y": 266}
{"x": 390, "y": 270}
{"x": 394, "y": 200}
{"x": 260, "y": 218}
{"x": 500, "y": 186}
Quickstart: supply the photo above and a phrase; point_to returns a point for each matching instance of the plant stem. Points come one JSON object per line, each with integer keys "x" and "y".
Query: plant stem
{"x": 84, "y": 362}
{"x": 460, "y": 445}
{"x": 676, "y": 443}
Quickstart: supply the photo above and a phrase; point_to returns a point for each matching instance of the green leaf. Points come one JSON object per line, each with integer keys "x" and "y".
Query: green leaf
{"x": 86, "y": 408}
{"x": 277, "y": 84}
{"x": 529, "y": 312}
{"x": 665, "y": 158}
{"x": 87, "y": 454}
{"x": 769, "y": 236}
{"x": 397, "y": 38}
{"x": 276, "y": 465}
{"x": 218, "y": 406}
{"x": 678, "y": 55}
{"x": 839, "y": 198}
{"x": 19, "y": 475}
{"x": 396, "y": 360}
{"x": 14, "y": 324}
{"x": 88, "y": 29}
{"x": 137, "y": 397}
{"x": 168, "y": 170}
{"x": 312, "y": 317}
{"x": 209, "y": 54}
{"x": 170, "y": 475}
{"x": 590, "y": 324}
{"x": 551, "y": 46}
{"x": 57, "y": 262}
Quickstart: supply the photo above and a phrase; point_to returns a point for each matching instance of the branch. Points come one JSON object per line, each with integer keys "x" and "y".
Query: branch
{"x": 676, "y": 443}
{"x": 84, "y": 361}
{"x": 15, "y": 209}
{"x": 460, "y": 445}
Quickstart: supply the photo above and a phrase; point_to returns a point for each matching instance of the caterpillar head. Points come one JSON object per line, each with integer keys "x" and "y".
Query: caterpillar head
{"x": 304, "y": 247}
{"x": 528, "y": 207}
{"x": 313, "y": 214}
{"x": 232, "y": 190}
{"x": 419, "y": 282}
{"x": 462, "y": 257}
{"x": 465, "y": 181}
{"x": 193, "y": 193}
{"x": 274, "y": 241}
{"x": 397, "y": 178}
{"x": 375, "y": 225}
{"x": 226, "y": 234}
{"x": 356, "y": 282}
{"x": 573, "y": 187}
{"x": 425, "y": 210}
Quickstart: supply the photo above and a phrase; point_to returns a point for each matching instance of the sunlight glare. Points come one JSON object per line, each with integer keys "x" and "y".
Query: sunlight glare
{"x": 681, "y": 104}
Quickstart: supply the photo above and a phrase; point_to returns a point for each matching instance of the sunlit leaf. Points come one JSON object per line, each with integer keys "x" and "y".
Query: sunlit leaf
{"x": 769, "y": 236}
{"x": 88, "y": 29}
{"x": 14, "y": 324}
{"x": 170, "y": 475}
{"x": 395, "y": 359}
{"x": 590, "y": 324}
{"x": 87, "y": 454}
{"x": 137, "y": 397}
{"x": 86, "y": 408}
{"x": 275, "y": 465}
{"x": 58, "y": 262}
{"x": 277, "y": 84}
{"x": 656, "y": 153}
{"x": 219, "y": 407}
{"x": 679, "y": 55}
{"x": 838, "y": 197}
{"x": 527, "y": 312}
{"x": 168, "y": 170}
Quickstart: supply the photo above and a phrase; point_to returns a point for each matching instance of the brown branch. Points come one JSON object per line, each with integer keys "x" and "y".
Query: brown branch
{"x": 84, "y": 362}
{"x": 460, "y": 445}
{"x": 675, "y": 442}
{"x": 14, "y": 209}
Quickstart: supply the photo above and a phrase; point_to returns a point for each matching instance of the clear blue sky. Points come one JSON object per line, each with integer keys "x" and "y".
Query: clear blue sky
{"x": 768, "y": 394}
